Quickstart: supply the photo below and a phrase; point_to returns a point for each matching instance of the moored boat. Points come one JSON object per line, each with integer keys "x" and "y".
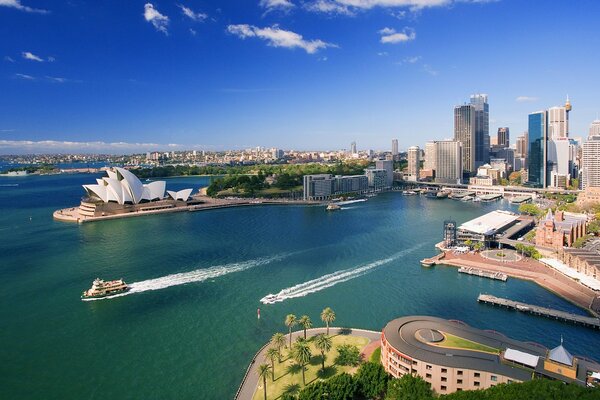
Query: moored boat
{"x": 333, "y": 207}
{"x": 101, "y": 288}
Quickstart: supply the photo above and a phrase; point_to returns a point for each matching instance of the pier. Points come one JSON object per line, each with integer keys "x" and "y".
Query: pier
{"x": 589, "y": 322}
{"x": 499, "y": 276}
{"x": 430, "y": 262}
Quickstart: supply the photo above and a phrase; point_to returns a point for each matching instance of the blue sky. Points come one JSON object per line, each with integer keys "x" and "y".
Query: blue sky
{"x": 303, "y": 74}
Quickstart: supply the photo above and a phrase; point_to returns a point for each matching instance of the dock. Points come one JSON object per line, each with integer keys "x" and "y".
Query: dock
{"x": 490, "y": 197}
{"x": 431, "y": 261}
{"x": 589, "y": 322}
{"x": 499, "y": 276}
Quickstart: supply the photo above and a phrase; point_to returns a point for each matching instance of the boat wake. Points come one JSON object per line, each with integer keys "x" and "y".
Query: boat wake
{"x": 198, "y": 275}
{"x": 329, "y": 280}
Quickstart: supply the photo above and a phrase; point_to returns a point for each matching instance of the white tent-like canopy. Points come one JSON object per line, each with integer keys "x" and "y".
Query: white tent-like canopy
{"x": 182, "y": 195}
{"x": 521, "y": 357}
{"x": 121, "y": 186}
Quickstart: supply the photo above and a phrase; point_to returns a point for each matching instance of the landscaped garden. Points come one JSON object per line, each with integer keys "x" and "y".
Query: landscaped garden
{"x": 456, "y": 342}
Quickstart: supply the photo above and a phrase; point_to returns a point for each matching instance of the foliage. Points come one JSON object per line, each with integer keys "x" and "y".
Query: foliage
{"x": 263, "y": 371}
{"x": 594, "y": 227}
{"x": 530, "y": 236}
{"x": 305, "y": 323}
{"x": 348, "y": 355}
{"x": 579, "y": 243}
{"x": 302, "y": 356}
{"x": 376, "y": 356}
{"x": 409, "y": 387}
{"x": 247, "y": 184}
{"x": 530, "y": 209}
{"x": 504, "y": 182}
{"x": 515, "y": 178}
{"x": 529, "y": 251}
{"x": 290, "y": 322}
{"x": 278, "y": 340}
{"x": 327, "y": 316}
{"x": 340, "y": 387}
{"x": 478, "y": 246}
{"x": 323, "y": 343}
{"x": 468, "y": 243}
{"x": 372, "y": 380}
{"x": 574, "y": 184}
{"x": 30, "y": 169}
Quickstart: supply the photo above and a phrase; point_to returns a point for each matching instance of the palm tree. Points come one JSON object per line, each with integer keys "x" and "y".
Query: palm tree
{"x": 323, "y": 344}
{"x": 305, "y": 323}
{"x": 327, "y": 316}
{"x": 290, "y": 322}
{"x": 263, "y": 371}
{"x": 302, "y": 356}
{"x": 272, "y": 354}
{"x": 278, "y": 340}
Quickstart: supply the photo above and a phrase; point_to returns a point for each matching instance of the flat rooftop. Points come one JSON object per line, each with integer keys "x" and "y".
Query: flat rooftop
{"x": 490, "y": 223}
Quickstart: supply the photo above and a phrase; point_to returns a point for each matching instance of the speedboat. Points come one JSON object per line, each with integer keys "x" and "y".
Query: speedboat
{"x": 269, "y": 299}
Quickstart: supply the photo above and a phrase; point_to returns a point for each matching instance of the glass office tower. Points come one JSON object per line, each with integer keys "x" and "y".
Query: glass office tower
{"x": 536, "y": 159}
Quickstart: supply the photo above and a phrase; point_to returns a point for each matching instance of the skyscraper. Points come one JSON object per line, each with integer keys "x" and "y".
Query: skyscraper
{"x": 538, "y": 144}
{"x": 448, "y": 161}
{"x": 595, "y": 128}
{"x": 429, "y": 156}
{"x": 503, "y": 137}
{"x": 388, "y": 165}
{"x": 464, "y": 132}
{"x": 521, "y": 147}
{"x": 395, "y": 148}
{"x": 353, "y": 148}
{"x": 590, "y": 176}
{"x": 557, "y": 123}
{"x": 482, "y": 129}
{"x": 414, "y": 162}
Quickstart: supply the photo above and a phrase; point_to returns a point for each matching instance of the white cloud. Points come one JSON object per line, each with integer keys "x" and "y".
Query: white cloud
{"x": 193, "y": 32}
{"x": 57, "y": 79}
{"x": 17, "y": 4}
{"x": 51, "y": 59}
{"x": 328, "y": 7}
{"x": 271, "y": 5}
{"x": 526, "y": 99}
{"x": 429, "y": 69}
{"x": 188, "y": 12}
{"x": 389, "y": 35}
{"x": 158, "y": 20}
{"x": 9, "y": 59}
{"x": 25, "y": 76}
{"x": 383, "y": 54}
{"x": 58, "y": 146}
{"x": 413, "y": 4}
{"x": 278, "y": 37}
{"x": 30, "y": 56}
{"x": 411, "y": 60}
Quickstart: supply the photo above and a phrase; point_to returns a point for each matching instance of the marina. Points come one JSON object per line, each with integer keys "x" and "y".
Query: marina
{"x": 499, "y": 276}
{"x": 590, "y": 322}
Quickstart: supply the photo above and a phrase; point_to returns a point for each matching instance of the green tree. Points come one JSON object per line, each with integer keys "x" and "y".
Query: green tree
{"x": 290, "y": 322}
{"x": 263, "y": 371}
{"x": 271, "y": 355}
{"x": 305, "y": 323}
{"x": 468, "y": 243}
{"x": 278, "y": 340}
{"x": 530, "y": 209}
{"x": 323, "y": 343}
{"x": 478, "y": 246}
{"x": 372, "y": 380}
{"x": 348, "y": 355}
{"x": 409, "y": 387}
{"x": 327, "y": 316}
{"x": 302, "y": 356}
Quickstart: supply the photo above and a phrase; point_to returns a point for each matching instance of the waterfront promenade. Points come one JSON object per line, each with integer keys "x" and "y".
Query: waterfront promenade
{"x": 251, "y": 379}
{"x": 200, "y": 203}
{"x": 531, "y": 270}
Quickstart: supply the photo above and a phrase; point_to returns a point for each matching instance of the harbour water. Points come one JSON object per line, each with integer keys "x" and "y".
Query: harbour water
{"x": 189, "y": 326}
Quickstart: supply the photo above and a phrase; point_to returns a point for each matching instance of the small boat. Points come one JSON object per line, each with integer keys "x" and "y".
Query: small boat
{"x": 442, "y": 194}
{"x": 333, "y": 207}
{"x": 269, "y": 299}
{"x": 477, "y": 199}
{"x": 102, "y": 288}
{"x": 467, "y": 198}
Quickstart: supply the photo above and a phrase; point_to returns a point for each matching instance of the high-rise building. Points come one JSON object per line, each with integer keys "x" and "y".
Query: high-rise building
{"x": 395, "y": 148}
{"x": 482, "y": 129}
{"x": 388, "y": 165}
{"x": 448, "y": 161}
{"x": 521, "y": 146}
{"x": 376, "y": 178}
{"x": 557, "y": 123}
{"x": 353, "y": 148}
{"x": 590, "y": 176}
{"x": 323, "y": 186}
{"x": 559, "y": 161}
{"x": 595, "y": 128}
{"x": 537, "y": 149}
{"x": 414, "y": 162}
{"x": 464, "y": 132}
{"x": 429, "y": 163}
{"x": 503, "y": 137}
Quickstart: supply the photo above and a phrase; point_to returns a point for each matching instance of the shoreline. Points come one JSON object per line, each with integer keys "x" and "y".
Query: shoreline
{"x": 533, "y": 271}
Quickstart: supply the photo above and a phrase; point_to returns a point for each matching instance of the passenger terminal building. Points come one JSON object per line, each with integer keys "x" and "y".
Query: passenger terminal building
{"x": 452, "y": 356}
{"x": 492, "y": 228}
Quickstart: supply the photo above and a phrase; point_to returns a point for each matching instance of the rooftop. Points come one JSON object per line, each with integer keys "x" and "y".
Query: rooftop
{"x": 490, "y": 223}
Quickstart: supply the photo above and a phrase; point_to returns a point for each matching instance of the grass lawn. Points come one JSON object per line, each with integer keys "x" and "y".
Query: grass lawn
{"x": 376, "y": 356}
{"x": 288, "y": 375}
{"x": 456, "y": 342}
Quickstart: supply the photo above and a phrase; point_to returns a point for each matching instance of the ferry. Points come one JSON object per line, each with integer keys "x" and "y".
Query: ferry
{"x": 333, "y": 207}
{"x": 102, "y": 288}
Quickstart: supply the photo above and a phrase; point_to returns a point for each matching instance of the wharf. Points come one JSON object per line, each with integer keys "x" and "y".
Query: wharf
{"x": 499, "y": 276}
{"x": 590, "y": 322}
{"x": 430, "y": 262}
{"x": 490, "y": 197}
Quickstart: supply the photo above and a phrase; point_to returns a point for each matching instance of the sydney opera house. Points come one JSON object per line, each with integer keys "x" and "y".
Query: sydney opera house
{"x": 123, "y": 187}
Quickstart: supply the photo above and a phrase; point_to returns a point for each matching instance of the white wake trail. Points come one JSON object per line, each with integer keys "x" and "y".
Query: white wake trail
{"x": 198, "y": 275}
{"x": 329, "y": 280}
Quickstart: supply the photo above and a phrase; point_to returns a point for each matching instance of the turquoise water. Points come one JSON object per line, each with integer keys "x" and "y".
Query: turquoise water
{"x": 171, "y": 339}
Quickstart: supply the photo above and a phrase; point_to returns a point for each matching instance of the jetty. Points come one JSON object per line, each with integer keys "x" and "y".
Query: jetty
{"x": 431, "y": 261}
{"x": 499, "y": 276}
{"x": 589, "y": 322}
{"x": 490, "y": 197}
